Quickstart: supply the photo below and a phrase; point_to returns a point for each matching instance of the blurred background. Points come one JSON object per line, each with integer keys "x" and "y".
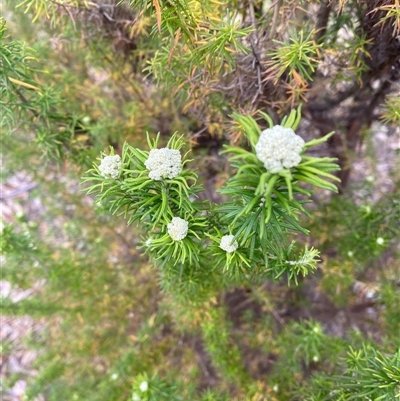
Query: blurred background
{"x": 83, "y": 315}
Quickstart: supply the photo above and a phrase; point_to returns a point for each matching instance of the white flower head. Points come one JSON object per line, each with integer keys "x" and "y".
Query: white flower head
{"x": 178, "y": 228}
{"x": 135, "y": 397}
{"x": 114, "y": 376}
{"x": 110, "y": 166}
{"x": 380, "y": 241}
{"x": 144, "y": 386}
{"x": 227, "y": 243}
{"x": 164, "y": 163}
{"x": 279, "y": 148}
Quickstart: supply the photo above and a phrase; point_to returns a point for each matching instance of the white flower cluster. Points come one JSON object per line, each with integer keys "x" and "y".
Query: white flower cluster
{"x": 227, "y": 245}
{"x": 178, "y": 229}
{"x": 279, "y": 148}
{"x": 163, "y": 163}
{"x": 110, "y": 166}
{"x": 143, "y": 387}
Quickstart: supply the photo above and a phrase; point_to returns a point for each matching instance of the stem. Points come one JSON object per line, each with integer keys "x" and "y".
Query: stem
{"x": 274, "y": 20}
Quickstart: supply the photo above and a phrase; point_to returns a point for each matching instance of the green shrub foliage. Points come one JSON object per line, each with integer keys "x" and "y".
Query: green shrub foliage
{"x": 259, "y": 217}
{"x": 218, "y": 248}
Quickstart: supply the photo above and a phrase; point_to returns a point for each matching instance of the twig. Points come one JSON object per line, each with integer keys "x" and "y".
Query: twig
{"x": 277, "y": 317}
{"x": 322, "y": 20}
{"x": 252, "y": 14}
{"x": 274, "y": 25}
{"x": 17, "y": 192}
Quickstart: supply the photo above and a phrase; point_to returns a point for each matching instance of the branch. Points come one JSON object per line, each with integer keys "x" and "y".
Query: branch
{"x": 274, "y": 24}
{"x": 322, "y": 20}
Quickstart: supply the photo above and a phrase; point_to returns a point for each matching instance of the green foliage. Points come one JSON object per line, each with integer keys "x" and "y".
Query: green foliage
{"x": 359, "y": 54}
{"x": 391, "y": 15}
{"x": 260, "y": 226}
{"x": 267, "y": 183}
{"x": 20, "y": 92}
{"x": 198, "y": 322}
{"x": 15, "y": 242}
{"x": 191, "y": 47}
{"x": 302, "y": 347}
{"x": 153, "y": 389}
{"x": 39, "y": 7}
{"x": 210, "y": 395}
{"x": 30, "y": 106}
{"x": 224, "y": 353}
{"x": 391, "y": 110}
{"x": 297, "y": 57}
{"x": 308, "y": 342}
{"x": 361, "y": 231}
{"x": 371, "y": 374}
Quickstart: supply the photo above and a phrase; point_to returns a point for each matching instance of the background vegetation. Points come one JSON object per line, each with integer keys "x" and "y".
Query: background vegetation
{"x": 78, "y": 76}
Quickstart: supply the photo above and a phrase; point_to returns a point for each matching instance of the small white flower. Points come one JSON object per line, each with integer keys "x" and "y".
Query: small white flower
{"x": 144, "y": 386}
{"x": 148, "y": 241}
{"x": 279, "y": 148}
{"x": 164, "y": 163}
{"x": 178, "y": 228}
{"x": 86, "y": 120}
{"x": 227, "y": 245}
{"x": 350, "y": 254}
{"x": 110, "y": 166}
{"x": 380, "y": 241}
{"x": 315, "y": 358}
{"x": 135, "y": 397}
{"x": 114, "y": 376}
{"x": 275, "y": 388}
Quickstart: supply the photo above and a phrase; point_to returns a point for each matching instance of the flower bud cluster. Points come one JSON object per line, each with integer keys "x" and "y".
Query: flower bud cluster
{"x": 227, "y": 244}
{"x": 178, "y": 229}
{"x": 163, "y": 163}
{"x": 279, "y": 148}
{"x": 110, "y": 166}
